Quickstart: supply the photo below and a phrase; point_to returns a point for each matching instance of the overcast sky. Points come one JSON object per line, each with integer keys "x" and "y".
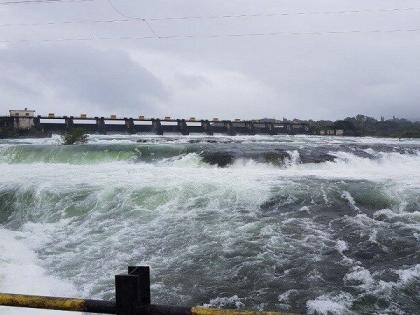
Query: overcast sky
{"x": 202, "y": 70}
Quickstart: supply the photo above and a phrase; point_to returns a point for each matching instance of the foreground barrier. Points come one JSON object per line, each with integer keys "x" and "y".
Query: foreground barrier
{"x": 132, "y": 297}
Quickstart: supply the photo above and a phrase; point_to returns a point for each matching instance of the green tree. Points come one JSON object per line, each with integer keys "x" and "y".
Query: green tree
{"x": 75, "y": 136}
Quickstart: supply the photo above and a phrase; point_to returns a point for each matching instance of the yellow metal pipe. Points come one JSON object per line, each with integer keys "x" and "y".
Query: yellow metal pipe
{"x": 215, "y": 311}
{"x": 44, "y": 302}
{"x": 81, "y": 305}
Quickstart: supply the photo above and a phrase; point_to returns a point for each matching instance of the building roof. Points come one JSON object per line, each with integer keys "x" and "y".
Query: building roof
{"x": 21, "y": 110}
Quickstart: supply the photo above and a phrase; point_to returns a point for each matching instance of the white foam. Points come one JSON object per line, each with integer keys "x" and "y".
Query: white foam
{"x": 409, "y": 275}
{"x": 341, "y": 246}
{"x": 394, "y": 167}
{"x": 284, "y": 297}
{"x": 21, "y": 273}
{"x": 373, "y": 238}
{"x": 347, "y": 196}
{"x": 54, "y": 140}
{"x": 361, "y": 277}
{"x": 329, "y": 304}
{"x": 294, "y": 158}
{"x": 233, "y": 301}
{"x": 187, "y": 160}
{"x": 266, "y": 139}
{"x": 387, "y": 167}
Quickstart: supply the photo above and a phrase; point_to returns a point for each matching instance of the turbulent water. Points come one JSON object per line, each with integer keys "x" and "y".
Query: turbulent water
{"x": 305, "y": 224}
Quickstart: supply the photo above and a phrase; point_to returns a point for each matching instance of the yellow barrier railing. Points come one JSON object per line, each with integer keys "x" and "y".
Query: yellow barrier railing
{"x": 132, "y": 293}
{"x": 57, "y": 303}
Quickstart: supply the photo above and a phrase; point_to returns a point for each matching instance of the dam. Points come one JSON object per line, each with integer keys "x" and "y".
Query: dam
{"x": 21, "y": 121}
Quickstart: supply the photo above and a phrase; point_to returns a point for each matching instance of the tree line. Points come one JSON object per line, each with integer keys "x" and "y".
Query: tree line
{"x": 361, "y": 125}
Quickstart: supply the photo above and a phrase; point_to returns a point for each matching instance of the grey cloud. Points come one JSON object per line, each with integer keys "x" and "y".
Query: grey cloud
{"x": 192, "y": 81}
{"x": 82, "y": 76}
{"x": 328, "y": 76}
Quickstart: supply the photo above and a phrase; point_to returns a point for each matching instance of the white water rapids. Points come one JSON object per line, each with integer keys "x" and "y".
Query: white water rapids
{"x": 306, "y": 224}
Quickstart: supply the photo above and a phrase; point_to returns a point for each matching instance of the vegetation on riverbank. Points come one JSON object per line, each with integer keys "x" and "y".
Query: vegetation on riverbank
{"x": 75, "y": 136}
{"x": 362, "y": 125}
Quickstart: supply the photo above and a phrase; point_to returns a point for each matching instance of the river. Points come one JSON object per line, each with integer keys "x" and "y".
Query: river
{"x": 318, "y": 225}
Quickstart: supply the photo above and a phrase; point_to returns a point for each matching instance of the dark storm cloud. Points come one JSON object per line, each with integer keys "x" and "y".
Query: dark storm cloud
{"x": 325, "y": 76}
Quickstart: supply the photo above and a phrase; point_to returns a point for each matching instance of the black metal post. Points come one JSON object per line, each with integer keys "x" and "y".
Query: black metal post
{"x": 126, "y": 294}
{"x": 143, "y": 283}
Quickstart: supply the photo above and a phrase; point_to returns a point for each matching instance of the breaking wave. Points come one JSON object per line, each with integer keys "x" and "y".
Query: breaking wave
{"x": 219, "y": 153}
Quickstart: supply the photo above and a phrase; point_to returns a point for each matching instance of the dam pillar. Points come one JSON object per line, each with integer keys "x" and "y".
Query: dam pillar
{"x": 157, "y": 127}
{"x": 100, "y": 125}
{"x": 182, "y": 127}
{"x": 129, "y": 124}
{"x": 250, "y": 127}
{"x": 69, "y": 122}
{"x": 230, "y": 130}
{"x": 16, "y": 123}
{"x": 270, "y": 129}
{"x": 290, "y": 129}
{"x": 205, "y": 124}
{"x": 37, "y": 122}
